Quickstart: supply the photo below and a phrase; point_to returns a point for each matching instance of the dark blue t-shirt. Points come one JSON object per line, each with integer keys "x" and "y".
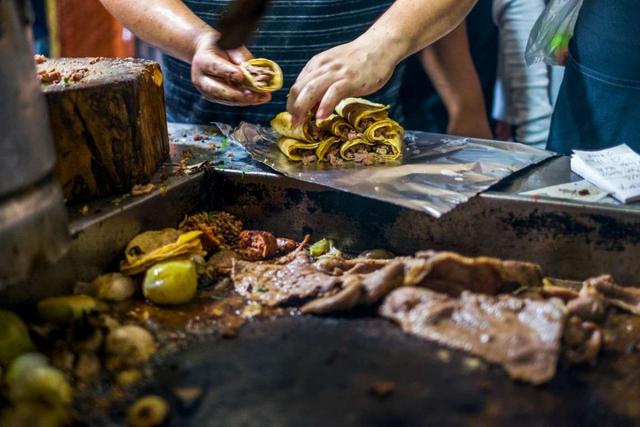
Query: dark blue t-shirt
{"x": 291, "y": 34}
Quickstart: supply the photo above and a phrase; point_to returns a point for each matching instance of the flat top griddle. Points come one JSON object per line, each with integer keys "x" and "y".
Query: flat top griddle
{"x": 315, "y": 371}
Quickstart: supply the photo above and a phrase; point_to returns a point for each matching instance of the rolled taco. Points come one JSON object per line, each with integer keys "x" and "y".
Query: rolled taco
{"x": 336, "y": 125}
{"x": 391, "y": 147}
{"x": 325, "y": 146}
{"x": 383, "y": 129}
{"x": 262, "y": 75}
{"x": 294, "y": 149}
{"x": 348, "y": 148}
{"x": 307, "y": 131}
{"x": 362, "y": 113}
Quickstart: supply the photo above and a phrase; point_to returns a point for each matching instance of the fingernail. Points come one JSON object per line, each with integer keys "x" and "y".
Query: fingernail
{"x": 320, "y": 114}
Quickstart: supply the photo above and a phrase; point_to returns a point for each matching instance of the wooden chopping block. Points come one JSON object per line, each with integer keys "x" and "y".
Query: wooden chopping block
{"x": 108, "y": 122}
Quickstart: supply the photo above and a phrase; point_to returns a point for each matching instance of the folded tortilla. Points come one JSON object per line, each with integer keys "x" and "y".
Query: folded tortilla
{"x": 394, "y": 144}
{"x": 274, "y": 82}
{"x": 307, "y": 131}
{"x": 295, "y": 149}
{"x": 383, "y": 129}
{"x": 362, "y": 113}
{"x": 336, "y": 125}
{"x": 389, "y": 133}
{"x": 350, "y": 144}
{"x": 325, "y": 146}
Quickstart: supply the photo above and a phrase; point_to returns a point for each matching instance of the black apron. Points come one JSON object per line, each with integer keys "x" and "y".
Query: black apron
{"x": 599, "y": 101}
{"x": 291, "y": 33}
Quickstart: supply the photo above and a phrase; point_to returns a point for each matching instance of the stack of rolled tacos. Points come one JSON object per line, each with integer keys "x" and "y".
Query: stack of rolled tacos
{"x": 359, "y": 131}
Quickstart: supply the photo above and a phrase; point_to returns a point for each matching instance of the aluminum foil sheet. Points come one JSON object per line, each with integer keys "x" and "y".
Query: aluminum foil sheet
{"x": 436, "y": 173}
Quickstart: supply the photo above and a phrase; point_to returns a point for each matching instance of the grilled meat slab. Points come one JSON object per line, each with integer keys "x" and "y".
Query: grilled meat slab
{"x": 521, "y": 335}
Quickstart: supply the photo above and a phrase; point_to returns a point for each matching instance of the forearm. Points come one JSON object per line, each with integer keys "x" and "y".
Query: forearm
{"x": 166, "y": 24}
{"x": 451, "y": 70}
{"x": 408, "y": 26}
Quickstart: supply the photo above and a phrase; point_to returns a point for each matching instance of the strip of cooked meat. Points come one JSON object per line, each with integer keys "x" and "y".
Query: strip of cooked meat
{"x": 625, "y": 298}
{"x": 257, "y": 245}
{"x": 521, "y": 335}
{"x": 451, "y": 273}
{"x": 359, "y": 289}
{"x": 276, "y": 284}
{"x": 367, "y": 281}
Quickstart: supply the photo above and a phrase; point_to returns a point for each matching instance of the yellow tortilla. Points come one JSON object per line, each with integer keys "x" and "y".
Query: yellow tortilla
{"x": 274, "y": 84}
{"x": 374, "y": 132}
{"x": 358, "y": 111}
{"x": 152, "y": 247}
{"x": 295, "y": 149}
{"x": 336, "y": 125}
{"x": 395, "y": 146}
{"x": 325, "y": 146}
{"x": 283, "y": 124}
{"x": 350, "y": 144}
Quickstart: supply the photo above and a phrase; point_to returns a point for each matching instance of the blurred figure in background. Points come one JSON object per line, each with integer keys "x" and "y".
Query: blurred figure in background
{"x": 598, "y": 104}
{"x": 522, "y": 99}
{"x": 40, "y": 29}
{"x": 456, "y": 100}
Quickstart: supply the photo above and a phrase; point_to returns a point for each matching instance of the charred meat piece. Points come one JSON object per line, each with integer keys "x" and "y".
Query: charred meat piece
{"x": 257, "y": 245}
{"x": 521, "y": 335}
{"x": 273, "y": 284}
{"x": 285, "y": 245}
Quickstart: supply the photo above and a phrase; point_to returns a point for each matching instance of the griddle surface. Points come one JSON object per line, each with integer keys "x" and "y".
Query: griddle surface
{"x": 311, "y": 371}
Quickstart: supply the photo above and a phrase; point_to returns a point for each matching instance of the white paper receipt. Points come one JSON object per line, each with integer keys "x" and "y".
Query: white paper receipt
{"x": 616, "y": 170}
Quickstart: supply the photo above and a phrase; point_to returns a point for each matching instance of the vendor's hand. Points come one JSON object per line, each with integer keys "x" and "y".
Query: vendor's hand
{"x": 216, "y": 74}
{"x": 354, "y": 69}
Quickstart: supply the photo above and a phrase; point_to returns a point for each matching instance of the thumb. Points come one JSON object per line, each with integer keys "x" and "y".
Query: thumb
{"x": 240, "y": 55}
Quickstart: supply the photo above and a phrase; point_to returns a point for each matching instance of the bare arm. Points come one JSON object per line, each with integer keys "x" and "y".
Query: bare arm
{"x": 171, "y": 26}
{"x": 449, "y": 65}
{"x": 366, "y": 64}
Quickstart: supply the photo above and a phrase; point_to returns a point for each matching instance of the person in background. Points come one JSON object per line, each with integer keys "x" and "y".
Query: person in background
{"x": 522, "y": 100}
{"x": 454, "y": 100}
{"x": 40, "y": 29}
{"x": 204, "y": 84}
{"x": 598, "y": 105}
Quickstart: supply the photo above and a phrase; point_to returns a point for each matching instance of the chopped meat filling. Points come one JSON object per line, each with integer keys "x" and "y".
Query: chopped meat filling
{"x": 39, "y": 59}
{"x": 262, "y": 75}
{"x": 521, "y": 335}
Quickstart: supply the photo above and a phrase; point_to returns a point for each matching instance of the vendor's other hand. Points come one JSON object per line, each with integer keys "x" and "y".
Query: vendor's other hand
{"x": 353, "y": 69}
{"x": 216, "y": 74}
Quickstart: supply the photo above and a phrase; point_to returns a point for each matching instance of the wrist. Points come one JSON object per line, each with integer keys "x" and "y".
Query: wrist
{"x": 395, "y": 46}
{"x": 204, "y": 37}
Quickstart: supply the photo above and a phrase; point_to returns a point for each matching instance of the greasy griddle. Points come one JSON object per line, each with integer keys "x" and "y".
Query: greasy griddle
{"x": 314, "y": 371}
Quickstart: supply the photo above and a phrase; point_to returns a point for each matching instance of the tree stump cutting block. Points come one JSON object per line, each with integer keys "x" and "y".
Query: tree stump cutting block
{"x": 108, "y": 122}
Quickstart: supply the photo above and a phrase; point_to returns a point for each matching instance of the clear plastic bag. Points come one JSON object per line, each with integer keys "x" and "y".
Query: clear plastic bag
{"x": 552, "y": 32}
